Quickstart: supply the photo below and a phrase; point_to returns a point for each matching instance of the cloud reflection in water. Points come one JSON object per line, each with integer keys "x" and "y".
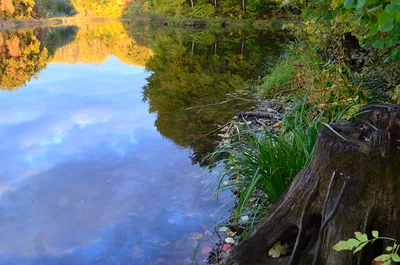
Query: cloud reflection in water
{"x": 85, "y": 178}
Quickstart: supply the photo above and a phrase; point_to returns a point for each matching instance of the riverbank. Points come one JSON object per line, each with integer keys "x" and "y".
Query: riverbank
{"x": 28, "y": 23}
{"x": 220, "y": 23}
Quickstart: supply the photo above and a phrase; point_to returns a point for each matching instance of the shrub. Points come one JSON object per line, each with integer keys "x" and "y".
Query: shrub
{"x": 203, "y": 11}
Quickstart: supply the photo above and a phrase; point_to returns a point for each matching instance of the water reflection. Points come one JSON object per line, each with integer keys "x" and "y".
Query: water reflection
{"x": 198, "y": 68}
{"x": 91, "y": 174}
{"x": 24, "y": 53}
{"x": 85, "y": 176}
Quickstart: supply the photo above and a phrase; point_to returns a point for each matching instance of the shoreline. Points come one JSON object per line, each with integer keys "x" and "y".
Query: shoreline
{"x": 59, "y": 21}
{"x": 170, "y": 22}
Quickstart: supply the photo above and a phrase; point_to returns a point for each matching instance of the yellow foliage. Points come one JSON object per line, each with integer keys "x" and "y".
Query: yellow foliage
{"x": 95, "y": 43}
{"x": 21, "y": 58}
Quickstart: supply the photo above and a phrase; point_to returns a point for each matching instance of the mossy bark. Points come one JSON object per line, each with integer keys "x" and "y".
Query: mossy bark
{"x": 366, "y": 156}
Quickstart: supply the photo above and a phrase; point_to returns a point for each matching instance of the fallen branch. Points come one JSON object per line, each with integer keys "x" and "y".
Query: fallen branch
{"x": 260, "y": 114}
{"x": 227, "y": 101}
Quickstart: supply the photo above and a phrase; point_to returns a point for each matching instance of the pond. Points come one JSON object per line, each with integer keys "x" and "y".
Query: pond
{"x": 100, "y": 160}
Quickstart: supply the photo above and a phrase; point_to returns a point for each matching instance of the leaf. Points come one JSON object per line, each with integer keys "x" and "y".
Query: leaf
{"x": 375, "y": 233}
{"x": 230, "y": 233}
{"x": 389, "y": 248}
{"x": 346, "y": 245}
{"x": 383, "y": 257}
{"x": 206, "y": 250}
{"x": 396, "y": 2}
{"x": 378, "y": 44}
{"x": 374, "y": 8}
{"x": 229, "y": 240}
{"x": 391, "y": 9}
{"x": 361, "y": 237}
{"x": 244, "y": 219}
{"x": 390, "y": 42}
{"x": 278, "y": 250}
{"x": 396, "y": 257}
{"x": 373, "y": 31}
{"x": 361, "y": 4}
{"x": 226, "y": 247}
{"x": 360, "y": 247}
{"x": 223, "y": 229}
{"x": 349, "y": 3}
{"x": 387, "y": 26}
{"x": 196, "y": 236}
{"x": 384, "y": 17}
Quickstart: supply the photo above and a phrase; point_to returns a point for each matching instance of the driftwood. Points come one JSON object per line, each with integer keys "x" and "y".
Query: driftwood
{"x": 351, "y": 184}
{"x": 260, "y": 114}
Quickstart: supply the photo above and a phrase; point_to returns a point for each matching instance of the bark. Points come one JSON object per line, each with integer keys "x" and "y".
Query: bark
{"x": 366, "y": 170}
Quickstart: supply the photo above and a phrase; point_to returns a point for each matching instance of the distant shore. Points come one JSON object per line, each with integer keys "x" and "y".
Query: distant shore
{"x": 27, "y": 23}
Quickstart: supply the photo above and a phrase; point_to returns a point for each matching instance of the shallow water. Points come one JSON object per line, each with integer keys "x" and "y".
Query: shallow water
{"x": 100, "y": 163}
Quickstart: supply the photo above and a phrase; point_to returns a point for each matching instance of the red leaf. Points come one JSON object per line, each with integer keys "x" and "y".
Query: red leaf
{"x": 226, "y": 247}
{"x": 206, "y": 250}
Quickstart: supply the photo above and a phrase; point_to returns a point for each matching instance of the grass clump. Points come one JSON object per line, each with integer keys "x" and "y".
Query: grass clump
{"x": 258, "y": 165}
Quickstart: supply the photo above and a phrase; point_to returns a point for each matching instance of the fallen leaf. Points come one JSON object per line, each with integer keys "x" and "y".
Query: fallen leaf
{"x": 278, "y": 250}
{"x": 278, "y": 124}
{"x": 374, "y": 262}
{"x": 226, "y": 247}
{"x": 229, "y": 240}
{"x": 244, "y": 219}
{"x": 196, "y": 236}
{"x": 206, "y": 250}
{"x": 230, "y": 233}
{"x": 223, "y": 229}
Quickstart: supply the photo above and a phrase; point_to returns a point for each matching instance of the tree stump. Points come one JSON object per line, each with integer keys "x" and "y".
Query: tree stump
{"x": 358, "y": 160}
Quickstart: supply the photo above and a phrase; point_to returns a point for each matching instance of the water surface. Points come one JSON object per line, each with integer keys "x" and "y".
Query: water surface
{"x": 100, "y": 162}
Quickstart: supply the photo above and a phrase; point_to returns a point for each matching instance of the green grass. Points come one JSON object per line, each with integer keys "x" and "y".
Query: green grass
{"x": 282, "y": 76}
{"x": 260, "y": 165}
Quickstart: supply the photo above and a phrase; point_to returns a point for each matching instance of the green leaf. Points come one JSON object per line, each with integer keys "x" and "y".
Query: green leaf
{"x": 375, "y": 8}
{"x": 383, "y": 257}
{"x": 395, "y": 56}
{"x": 375, "y": 233}
{"x": 396, "y": 2}
{"x": 384, "y": 17}
{"x": 373, "y": 31}
{"x": 392, "y": 9}
{"x": 396, "y": 257}
{"x": 389, "y": 248}
{"x": 378, "y": 44}
{"x": 388, "y": 26}
{"x": 389, "y": 42}
{"x": 278, "y": 250}
{"x": 361, "y": 4}
{"x": 347, "y": 245}
{"x": 349, "y": 3}
{"x": 361, "y": 237}
{"x": 360, "y": 247}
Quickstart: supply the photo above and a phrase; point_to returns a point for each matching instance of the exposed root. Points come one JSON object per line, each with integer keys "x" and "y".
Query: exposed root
{"x": 329, "y": 218}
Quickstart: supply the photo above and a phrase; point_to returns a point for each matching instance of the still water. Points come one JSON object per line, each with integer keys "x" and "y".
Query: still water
{"x": 100, "y": 162}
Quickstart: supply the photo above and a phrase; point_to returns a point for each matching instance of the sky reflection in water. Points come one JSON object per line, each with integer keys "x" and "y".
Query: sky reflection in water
{"x": 85, "y": 178}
